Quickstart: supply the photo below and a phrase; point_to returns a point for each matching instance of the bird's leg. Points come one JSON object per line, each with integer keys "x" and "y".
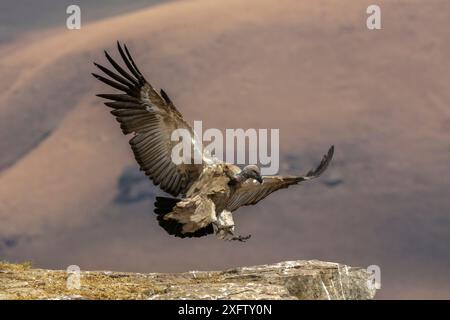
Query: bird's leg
{"x": 224, "y": 227}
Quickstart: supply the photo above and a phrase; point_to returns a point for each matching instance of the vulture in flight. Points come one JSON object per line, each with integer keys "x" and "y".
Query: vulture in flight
{"x": 204, "y": 195}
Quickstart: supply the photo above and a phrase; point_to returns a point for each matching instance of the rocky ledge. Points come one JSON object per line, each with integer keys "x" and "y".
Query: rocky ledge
{"x": 285, "y": 280}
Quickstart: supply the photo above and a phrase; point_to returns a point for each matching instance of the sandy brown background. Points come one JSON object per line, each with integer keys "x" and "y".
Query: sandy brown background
{"x": 70, "y": 190}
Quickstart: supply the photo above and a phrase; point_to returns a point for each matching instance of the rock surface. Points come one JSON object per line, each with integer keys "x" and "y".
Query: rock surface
{"x": 285, "y": 280}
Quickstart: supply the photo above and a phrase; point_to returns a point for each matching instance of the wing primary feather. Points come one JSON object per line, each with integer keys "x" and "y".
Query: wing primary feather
{"x": 119, "y": 97}
{"x": 113, "y": 84}
{"x": 123, "y": 105}
{"x": 113, "y": 75}
{"x": 132, "y": 61}
{"x": 120, "y": 69}
{"x": 128, "y": 112}
{"x": 129, "y": 65}
{"x": 323, "y": 164}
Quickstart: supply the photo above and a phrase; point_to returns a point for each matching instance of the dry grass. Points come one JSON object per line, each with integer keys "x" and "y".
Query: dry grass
{"x": 20, "y": 281}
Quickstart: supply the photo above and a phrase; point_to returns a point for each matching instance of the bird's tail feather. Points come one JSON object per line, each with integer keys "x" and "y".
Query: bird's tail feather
{"x": 164, "y": 205}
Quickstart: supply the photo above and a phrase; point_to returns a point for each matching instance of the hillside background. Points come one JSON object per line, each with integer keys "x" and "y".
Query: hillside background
{"x": 71, "y": 192}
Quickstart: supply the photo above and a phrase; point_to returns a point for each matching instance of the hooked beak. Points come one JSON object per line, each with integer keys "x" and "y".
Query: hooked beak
{"x": 259, "y": 179}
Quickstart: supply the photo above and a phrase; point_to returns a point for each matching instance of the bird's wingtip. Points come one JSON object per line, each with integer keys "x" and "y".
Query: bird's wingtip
{"x": 331, "y": 150}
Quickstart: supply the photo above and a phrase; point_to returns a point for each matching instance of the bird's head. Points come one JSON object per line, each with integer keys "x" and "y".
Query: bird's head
{"x": 252, "y": 172}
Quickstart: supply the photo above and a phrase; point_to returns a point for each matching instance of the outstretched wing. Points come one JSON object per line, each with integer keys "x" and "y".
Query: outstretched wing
{"x": 251, "y": 192}
{"x": 152, "y": 118}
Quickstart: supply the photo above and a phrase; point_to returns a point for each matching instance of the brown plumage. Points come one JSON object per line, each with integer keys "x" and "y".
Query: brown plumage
{"x": 209, "y": 191}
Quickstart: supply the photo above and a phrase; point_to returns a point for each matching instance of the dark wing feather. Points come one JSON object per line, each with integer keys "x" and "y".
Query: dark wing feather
{"x": 151, "y": 118}
{"x": 251, "y": 192}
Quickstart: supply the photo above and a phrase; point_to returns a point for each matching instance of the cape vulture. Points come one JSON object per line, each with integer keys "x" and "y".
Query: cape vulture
{"x": 208, "y": 192}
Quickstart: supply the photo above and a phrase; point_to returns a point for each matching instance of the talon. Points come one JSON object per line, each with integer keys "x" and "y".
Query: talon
{"x": 241, "y": 238}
